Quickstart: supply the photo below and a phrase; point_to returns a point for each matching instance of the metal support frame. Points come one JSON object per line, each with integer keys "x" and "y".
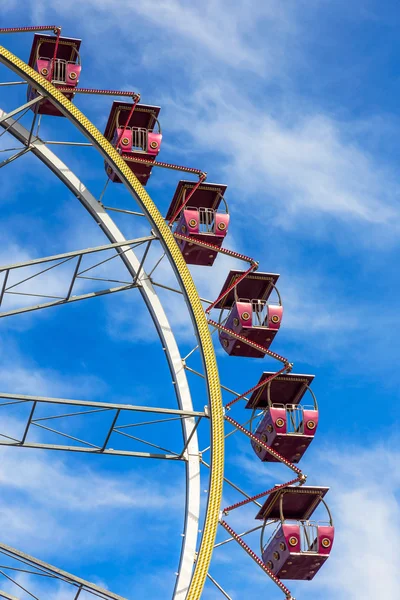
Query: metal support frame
{"x": 95, "y": 451}
{"x": 11, "y": 159}
{"x": 171, "y": 289}
{"x": 235, "y": 487}
{"x": 61, "y": 300}
{"x": 125, "y": 211}
{"x": 101, "y": 405}
{"x": 112, "y": 232}
{"x": 219, "y": 587}
{"x": 59, "y": 260}
{"x": 8, "y": 83}
{"x": 116, "y": 161}
{"x": 43, "y": 569}
{"x": 114, "y": 410}
{"x": 232, "y": 539}
{"x": 5, "y": 116}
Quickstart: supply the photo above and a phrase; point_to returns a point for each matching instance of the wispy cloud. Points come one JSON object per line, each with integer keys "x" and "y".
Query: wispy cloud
{"x": 296, "y": 165}
{"x": 71, "y": 514}
{"x": 208, "y": 29}
{"x": 22, "y": 375}
{"x": 49, "y": 504}
{"x": 53, "y": 483}
{"x": 364, "y": 501}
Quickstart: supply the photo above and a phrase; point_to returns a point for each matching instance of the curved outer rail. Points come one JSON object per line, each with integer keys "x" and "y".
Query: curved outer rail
{"x": 189, "y": 292}
{"x": 132, "y": 263}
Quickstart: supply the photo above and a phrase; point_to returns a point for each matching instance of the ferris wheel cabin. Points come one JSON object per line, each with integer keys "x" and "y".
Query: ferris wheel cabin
{"x": 251, "y": 315}
{"x": 298, "y": 547}
{"x": 200, "y": 220}
{"x": 132, "y": 133}
{"x": 287, "y": 425}
{"x": 61, "y": 66}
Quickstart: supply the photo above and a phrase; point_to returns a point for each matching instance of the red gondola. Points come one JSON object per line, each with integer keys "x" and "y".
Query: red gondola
{"x": 287, "y": 425}
{"x": 134, "y": 136}
{"x": 62, "y": 68}
{"x": 200, "y": 220}
{"x": 298, "y": 547}
{"x": 251, "y": 315}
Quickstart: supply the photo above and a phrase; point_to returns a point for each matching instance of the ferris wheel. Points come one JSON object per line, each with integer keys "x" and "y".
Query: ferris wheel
{"x": 277, "y": 416}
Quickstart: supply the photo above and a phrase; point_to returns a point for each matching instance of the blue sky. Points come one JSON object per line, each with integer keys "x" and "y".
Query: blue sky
{"x": 294, "y": 106}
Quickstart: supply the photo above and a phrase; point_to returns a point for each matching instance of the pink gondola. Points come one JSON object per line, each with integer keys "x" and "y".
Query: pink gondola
{"x": 199, "y": 219}
{"x": 133, "y": 133}
{"x": 298, "y": 547}
{"x": 287, "y": 425}
{"x": 63, "y": 71}
{"x": 251, "y": 314}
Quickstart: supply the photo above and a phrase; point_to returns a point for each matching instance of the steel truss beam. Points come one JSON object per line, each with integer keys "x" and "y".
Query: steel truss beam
{"x": 115, "y": 411}
{"x": 5, "y": 116}
{"x": 90, "y": 451}
{"x": 61, "y": 301}
{"x": 7, "y": 83}
{"x": 75, "y": 253}
{"x": 61, "y": 259}
{"x": 44, "y": 569}
{"x": 103, "y": 405}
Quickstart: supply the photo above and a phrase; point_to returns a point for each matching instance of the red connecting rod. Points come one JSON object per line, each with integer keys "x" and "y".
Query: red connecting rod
{"x": 55, "y": 28}
{"x": 258, "y": 560}
{"x": 271, "y": 451}
{"x": 228, "y": 509}
{"x": 257, "y": 386}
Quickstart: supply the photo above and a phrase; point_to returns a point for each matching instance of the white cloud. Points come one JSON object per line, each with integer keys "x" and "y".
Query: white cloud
{"x": 206, "y": 30}
{"x": 301, "y": 165}
{"x": 51, "y": 483}
{"x": 310, "y": 310}
{"x": 19, "y": 375}
{"x": 365, "y": 486}
{"x": 51, "y": 507}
